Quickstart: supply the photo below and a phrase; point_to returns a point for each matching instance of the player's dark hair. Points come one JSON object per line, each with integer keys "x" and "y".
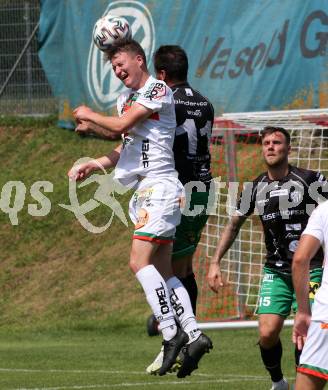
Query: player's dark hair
{"x": 127, "y": 46}
{"x": 173, "y": 59}
{"x": 272, "y": 129}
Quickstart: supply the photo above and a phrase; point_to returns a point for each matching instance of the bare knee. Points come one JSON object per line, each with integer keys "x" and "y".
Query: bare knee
{"x": 137, "y": 261}
{"x": 268, "y": 338}
{"x": 133, "y": 263}
{"x": 269, "y": 331}
{"x": 133, "y": 266}
{"x": 136, "y": 264}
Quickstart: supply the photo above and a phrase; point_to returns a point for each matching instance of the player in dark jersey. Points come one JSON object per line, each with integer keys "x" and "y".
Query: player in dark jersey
{"x": 283, "y": 225}
{"x": 195, "y": 117}
{"x": 284, "y": 197}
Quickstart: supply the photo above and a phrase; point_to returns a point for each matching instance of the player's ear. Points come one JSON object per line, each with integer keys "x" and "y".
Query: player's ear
{"x": 140, "y": 60}
{"x": 161, "y": 75}
{"x": 289, "y": 149}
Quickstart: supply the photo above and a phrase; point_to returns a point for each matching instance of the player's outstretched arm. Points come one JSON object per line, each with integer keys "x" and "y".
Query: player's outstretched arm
{"x": 87, "y": 127}
{"x": 82, "y": 171}
{"x": 137, "y": 113}
{"x": 229, "y": 234}
{"x": 307, "y": 248}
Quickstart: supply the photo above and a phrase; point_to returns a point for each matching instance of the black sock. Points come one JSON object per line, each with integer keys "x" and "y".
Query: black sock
{"x": 272, "y": 361}
{"x": 191, "y": 286}
{"x": 297, "y": 356}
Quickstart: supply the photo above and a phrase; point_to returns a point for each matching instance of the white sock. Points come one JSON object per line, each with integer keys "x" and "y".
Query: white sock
{"x": 182, "y": 308}
{"x": 157, "y": 296}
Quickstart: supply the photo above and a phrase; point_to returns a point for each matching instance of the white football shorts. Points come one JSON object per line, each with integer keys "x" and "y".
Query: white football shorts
{"x": 314, "y": 357}
{"x": 155, "y": 209}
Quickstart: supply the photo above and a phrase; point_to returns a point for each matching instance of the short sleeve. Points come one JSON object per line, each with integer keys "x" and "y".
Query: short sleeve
{"x": 315, "y": 224}
{"x": 156, "y": 96}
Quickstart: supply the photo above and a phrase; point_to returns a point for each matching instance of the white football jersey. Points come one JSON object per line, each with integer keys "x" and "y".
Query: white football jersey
{"x": 318, "y": 228}
{"x": 148, "y": 147}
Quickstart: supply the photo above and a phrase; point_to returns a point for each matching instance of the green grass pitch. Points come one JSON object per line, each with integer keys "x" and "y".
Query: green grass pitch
{"x": 113, "y": 359}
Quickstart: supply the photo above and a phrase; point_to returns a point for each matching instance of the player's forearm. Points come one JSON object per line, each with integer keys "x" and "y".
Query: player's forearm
{"x": 227, "y": 238}
{"x": 300, "y": 274}
{"x": 100, "y": 130}
{"x": 110, "y": 160}
{"x": 111, "y": 124}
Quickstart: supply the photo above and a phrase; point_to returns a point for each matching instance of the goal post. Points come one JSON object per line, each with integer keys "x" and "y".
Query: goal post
{"x": 237, "y": 158}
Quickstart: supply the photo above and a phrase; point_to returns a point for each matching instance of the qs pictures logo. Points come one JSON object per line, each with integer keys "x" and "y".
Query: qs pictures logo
{"x": 105, "y": 194}
{"x": 103, "y": 85}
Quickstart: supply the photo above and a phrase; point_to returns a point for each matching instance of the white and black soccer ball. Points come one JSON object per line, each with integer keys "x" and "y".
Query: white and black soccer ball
{"x": 109, "y": 28}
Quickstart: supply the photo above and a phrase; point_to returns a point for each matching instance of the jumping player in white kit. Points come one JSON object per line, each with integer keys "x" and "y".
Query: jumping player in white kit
{"x": 145, "y": 162}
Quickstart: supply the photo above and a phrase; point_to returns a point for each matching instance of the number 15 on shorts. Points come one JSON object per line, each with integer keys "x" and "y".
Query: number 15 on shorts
{"x": 265, "y": 301}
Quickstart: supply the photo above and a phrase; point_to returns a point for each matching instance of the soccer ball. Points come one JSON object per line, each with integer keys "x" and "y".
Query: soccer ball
{"x": 108, "y": 28}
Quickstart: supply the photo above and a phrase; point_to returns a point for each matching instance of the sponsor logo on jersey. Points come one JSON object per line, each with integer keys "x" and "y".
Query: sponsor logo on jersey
{"x": 324, "y": 326}
{"x": 197, "y": 113}
{"x": 291, "y": 235}
{"x": 143, "y": 218}
{"x": 313, "y": 287}
{"x": 293, "y": 245}
{"x": 293, "y": 226}
{"x": 284, "y": 214}
{"x": 296, "y": 196}
{"x": 188, "y": 103}
{"x": 127, "y": 140}
{"x": 104, "y": 87}
{"x": 268, "y": 277}
{"x": 155, "y": 91}
{"x": 188, "y": 92}
{"x": 282, "y": 192}
{"x": 145, "y": 155}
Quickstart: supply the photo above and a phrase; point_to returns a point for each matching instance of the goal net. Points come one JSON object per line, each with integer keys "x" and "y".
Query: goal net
{"x": 236, "y": 158}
